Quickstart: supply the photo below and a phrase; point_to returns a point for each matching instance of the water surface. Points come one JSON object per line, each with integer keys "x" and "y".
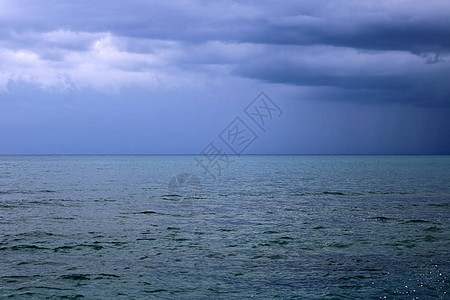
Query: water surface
{"x": 325, "y": 227}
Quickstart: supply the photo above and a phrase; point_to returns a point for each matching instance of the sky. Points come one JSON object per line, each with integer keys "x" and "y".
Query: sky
{"x": 168, "y": 77}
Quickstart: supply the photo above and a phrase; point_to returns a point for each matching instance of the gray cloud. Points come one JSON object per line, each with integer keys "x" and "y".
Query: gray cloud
{"x": 380, "y": 50}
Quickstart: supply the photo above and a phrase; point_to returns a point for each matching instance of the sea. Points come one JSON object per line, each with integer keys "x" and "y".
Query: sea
{"x": 261, "y": 227}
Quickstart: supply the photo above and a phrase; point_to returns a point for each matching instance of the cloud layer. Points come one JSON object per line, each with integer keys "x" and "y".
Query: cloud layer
{"x": 369, "y": 51}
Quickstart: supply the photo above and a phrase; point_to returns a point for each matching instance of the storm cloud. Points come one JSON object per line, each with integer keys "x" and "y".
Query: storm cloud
{"x": 394, "y": 51}
{"x": 147, "y": 76}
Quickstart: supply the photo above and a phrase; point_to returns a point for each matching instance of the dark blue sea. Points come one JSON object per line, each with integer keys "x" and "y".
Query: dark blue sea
{"x": 287, "y": 227}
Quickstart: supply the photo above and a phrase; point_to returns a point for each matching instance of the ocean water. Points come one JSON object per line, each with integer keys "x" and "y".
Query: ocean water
{"x": 288, "y": 227}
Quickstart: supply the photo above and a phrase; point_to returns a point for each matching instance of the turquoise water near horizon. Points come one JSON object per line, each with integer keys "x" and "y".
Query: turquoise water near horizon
{"x": 313, "y": 227}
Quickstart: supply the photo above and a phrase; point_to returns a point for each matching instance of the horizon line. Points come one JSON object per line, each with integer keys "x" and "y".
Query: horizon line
{"x": 230, "y": 154}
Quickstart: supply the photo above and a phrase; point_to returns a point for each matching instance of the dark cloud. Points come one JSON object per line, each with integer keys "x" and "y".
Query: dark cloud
{"x": 399, "y": 47}
{"x": 389, "y": 35}
{"x": 379, "y": 25}
{"x": 151, "y": 76}
{"x": 399, "y": 77}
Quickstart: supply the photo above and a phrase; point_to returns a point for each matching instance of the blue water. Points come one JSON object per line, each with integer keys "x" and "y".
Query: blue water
{"x": 316, "y": 227}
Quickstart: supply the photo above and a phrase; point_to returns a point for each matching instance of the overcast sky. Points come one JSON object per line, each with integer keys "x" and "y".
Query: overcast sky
{"x": 351, "y": 77}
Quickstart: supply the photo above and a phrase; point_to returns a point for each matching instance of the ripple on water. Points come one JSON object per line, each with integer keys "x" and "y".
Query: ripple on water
{"x": 354, "y": 229}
